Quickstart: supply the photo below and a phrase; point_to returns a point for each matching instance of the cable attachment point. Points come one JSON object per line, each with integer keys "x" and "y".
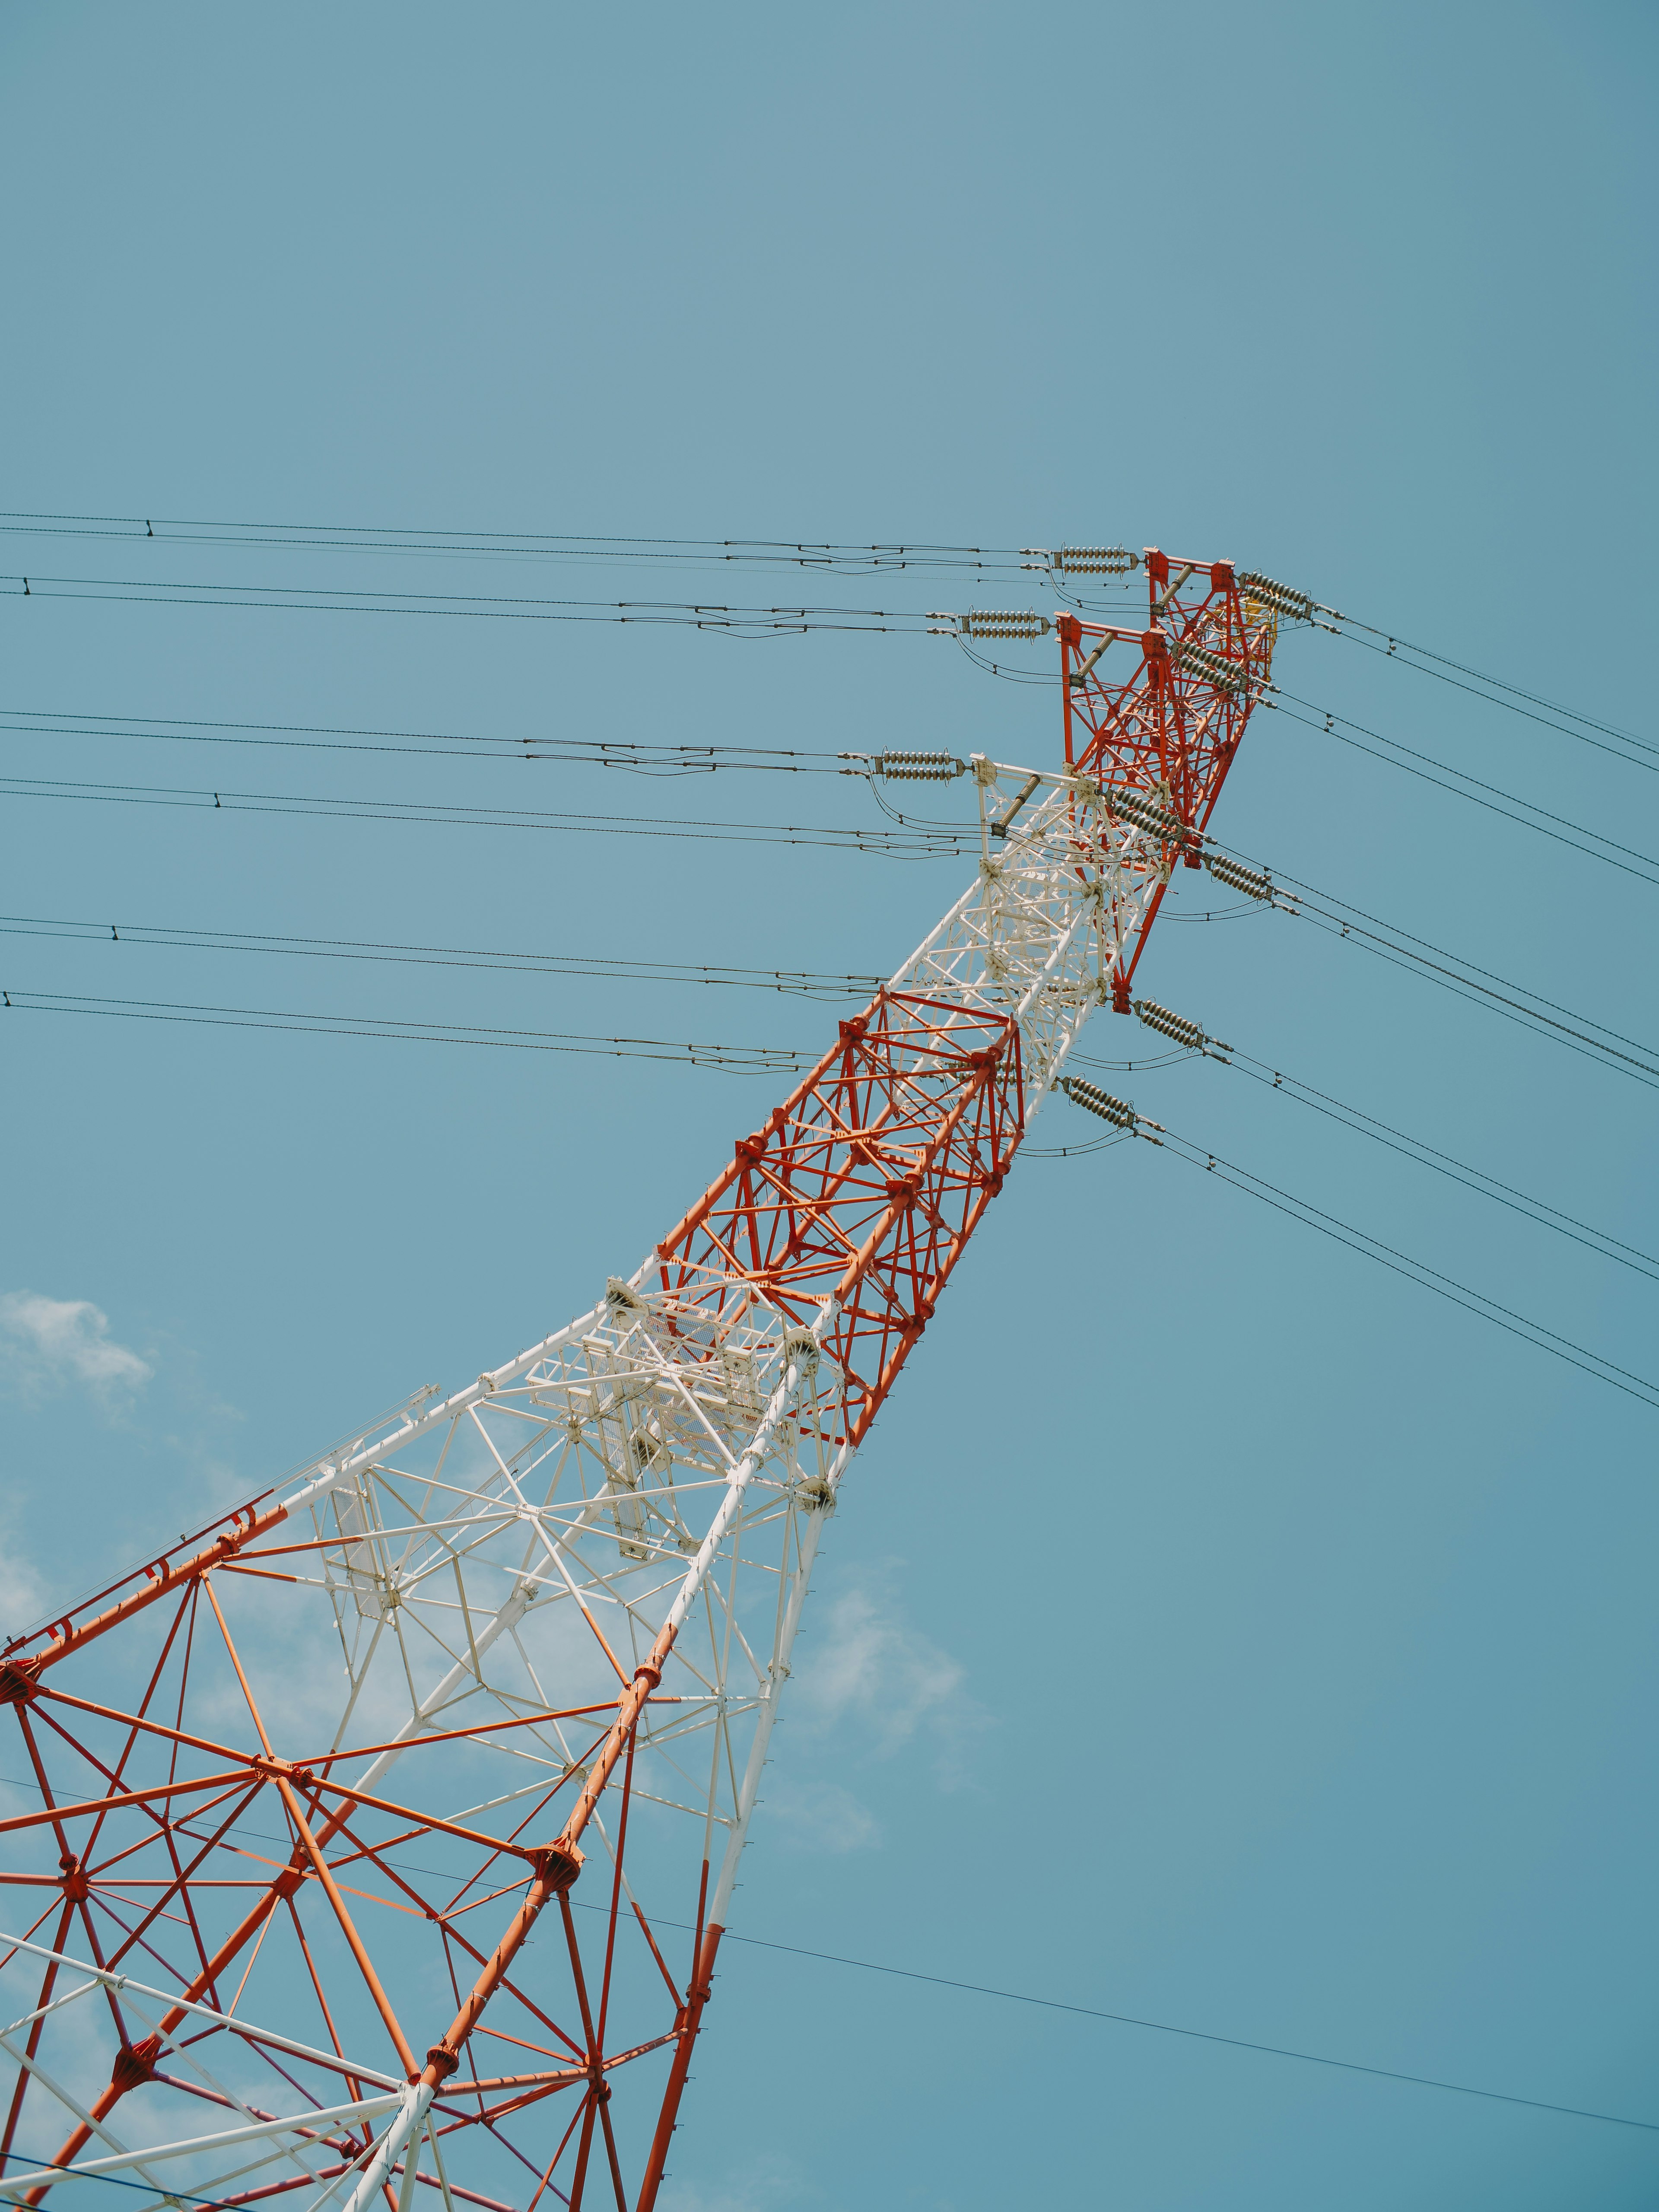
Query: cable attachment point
{"x": 1117, "y": 1111}
{"x": 1179, "y": 1030}
{"x": 1251, "y": 881}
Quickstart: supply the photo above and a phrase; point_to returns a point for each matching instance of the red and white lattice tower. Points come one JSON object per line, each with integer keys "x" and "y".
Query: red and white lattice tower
{"x": 509, "y": 1661}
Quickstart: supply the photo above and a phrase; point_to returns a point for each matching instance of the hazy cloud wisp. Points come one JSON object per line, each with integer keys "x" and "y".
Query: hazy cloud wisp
{"x": 60, "y": 1340}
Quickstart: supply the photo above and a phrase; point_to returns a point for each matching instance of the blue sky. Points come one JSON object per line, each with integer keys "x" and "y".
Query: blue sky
{"x": 1218, "y": 1630}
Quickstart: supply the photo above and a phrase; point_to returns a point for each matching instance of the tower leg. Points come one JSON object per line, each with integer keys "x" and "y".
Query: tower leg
{"x": 697, "y": 1998}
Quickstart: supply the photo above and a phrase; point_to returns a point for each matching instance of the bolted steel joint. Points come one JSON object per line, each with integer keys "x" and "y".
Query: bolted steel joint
{"x": 559, "y": 1864}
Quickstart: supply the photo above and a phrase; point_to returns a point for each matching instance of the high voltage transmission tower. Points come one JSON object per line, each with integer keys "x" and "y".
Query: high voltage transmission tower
{"x": 364, "y": 1823}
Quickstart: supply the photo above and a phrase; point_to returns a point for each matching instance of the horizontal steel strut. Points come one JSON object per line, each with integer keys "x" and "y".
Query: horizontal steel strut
{"x": 537, "y": 1631}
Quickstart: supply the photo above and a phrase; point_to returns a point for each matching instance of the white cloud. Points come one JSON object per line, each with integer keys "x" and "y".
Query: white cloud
{"x": 22, "y": 1593}
{"x": 57, "y": 1341}
{"x": 869, "y": 1667}
{"x": 819, "y": 1816}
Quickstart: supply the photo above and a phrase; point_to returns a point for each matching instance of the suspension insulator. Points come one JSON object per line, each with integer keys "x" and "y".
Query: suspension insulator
{"x": 1175, "y": 1027}
{"x": 1226, "y": 675}
{"x": 1144, "y": 813}
{"x": 1095, "y": 559}
{"x": 1238, "y": 878}
{"x": 1117, "y": 1111}
{"x": 919, "y": 768}
{"x": 1298, "y": 606}
{"x": 1014, "y": 622}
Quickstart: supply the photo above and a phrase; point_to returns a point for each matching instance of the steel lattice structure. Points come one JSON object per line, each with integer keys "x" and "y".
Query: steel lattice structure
{"x": 501, "y": 1671}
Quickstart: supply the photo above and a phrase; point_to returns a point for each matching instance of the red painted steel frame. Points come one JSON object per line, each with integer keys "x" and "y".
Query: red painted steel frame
{"x": 1162, "y": 725}
{"x": 862, "y": 1188}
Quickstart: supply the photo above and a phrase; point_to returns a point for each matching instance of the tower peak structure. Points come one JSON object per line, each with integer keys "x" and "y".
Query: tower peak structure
{"x": 363, "y": 1823}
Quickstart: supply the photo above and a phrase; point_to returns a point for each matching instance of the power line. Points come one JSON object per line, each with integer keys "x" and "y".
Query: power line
{"x": 1417, "y": 955}
{"x": 733, "y": 621}
{"x": 650, "y": 758}
{"x": 807, "y": 984}
{"x": 1497, "y": 691}
{"x": 1195, "y": 2034}
{"x": 1416, "y": 1271}
{"x": 736, "y": 1059}
{"x": 1511, "y": 1000}
{"x": 800, "y": 982}
{"x": 1472, "y": 1178}
{"x": 1056, "y": 2004}
{"x": 917, "y": 843}
{"x": 73, "y": 2173}
{"x": 768, "y": 1059}
{"x": 1578, "y": 1032}
{"x": 1401, "y": 757}
{"x": 920, "y": 557}
{"x": 1599, "y": 1241}
{"x": 657, "y": 552}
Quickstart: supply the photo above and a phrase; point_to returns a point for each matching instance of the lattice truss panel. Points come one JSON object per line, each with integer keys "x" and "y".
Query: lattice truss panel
{"x": 1161, "y": 711}
{"x": 374, "y": 1844}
